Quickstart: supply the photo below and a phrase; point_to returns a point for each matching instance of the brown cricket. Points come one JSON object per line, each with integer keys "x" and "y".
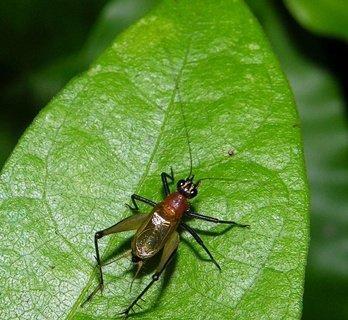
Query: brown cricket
{"x": 158, "y": 230}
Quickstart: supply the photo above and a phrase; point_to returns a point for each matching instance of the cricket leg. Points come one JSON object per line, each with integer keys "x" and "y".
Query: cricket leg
{"x": 215, "y": 220}
{"x": 200, "y": 242}
{"x": 136, "y": 197}
{"x": 130, "y": 223}
{"x": 167, "y": 254}
{"x": 165, "y": 176}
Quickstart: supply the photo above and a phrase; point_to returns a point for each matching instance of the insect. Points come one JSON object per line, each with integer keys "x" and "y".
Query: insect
{"x": 158, "y": 231}
{"x": 231, "y": 152}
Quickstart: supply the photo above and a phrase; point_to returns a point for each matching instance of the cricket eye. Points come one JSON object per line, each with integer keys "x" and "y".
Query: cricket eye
{"x": 193, "y": 193}
{"x": 180, "y": 184}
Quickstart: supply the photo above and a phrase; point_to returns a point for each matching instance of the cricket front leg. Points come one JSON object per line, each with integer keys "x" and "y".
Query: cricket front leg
{"x": 135, "y": 198}
{"x": 165, "y": 183}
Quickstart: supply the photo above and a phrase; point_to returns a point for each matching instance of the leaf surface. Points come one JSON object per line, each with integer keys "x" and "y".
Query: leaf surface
{"x": 113, "y": 130}
{"x": 325, "y": 131}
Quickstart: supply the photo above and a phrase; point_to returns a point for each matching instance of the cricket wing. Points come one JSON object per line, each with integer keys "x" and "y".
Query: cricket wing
{"x": 152, "y": 237}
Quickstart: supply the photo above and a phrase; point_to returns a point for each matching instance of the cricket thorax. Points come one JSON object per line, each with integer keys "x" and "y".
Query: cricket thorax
{"x": 174, "y": 206}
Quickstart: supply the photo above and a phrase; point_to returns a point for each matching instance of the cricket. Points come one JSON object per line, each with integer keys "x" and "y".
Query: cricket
{"x": 158, "y": 231}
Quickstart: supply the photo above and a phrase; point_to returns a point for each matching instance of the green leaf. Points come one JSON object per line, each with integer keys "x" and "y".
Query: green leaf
{"x": 114, "y": 18}
{"x": 113, "y": 130}
{"x": 321, "y": 105}
{"x": 327, "y": 17}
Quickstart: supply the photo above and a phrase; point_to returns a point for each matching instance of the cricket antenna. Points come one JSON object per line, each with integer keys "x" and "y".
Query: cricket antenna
{"x": 210, "y": 178}
{"x": 186, "y": 130}
{"x": 213, "y": 178}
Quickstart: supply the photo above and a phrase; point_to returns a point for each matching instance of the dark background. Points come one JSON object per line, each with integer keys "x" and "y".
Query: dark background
{"x": 45, "y": 43}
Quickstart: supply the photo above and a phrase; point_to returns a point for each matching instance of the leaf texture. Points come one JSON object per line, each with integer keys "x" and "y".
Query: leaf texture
{"x": 113, "y": 130}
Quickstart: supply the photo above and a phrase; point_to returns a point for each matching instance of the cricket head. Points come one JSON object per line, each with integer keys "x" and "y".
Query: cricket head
{"x": 187, "y": 187}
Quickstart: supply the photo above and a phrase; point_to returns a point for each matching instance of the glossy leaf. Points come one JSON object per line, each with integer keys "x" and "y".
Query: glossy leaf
{"x": 321, "y": 106}
{"x": 114, "y": 129}
{"x": 322, "y": 16}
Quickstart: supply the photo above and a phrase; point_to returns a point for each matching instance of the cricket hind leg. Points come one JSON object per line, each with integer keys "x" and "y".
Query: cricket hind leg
{"x": 167, "y": 254}
{"x": 135, "y": 198}
{"x": 127, "y": 224}
{"x": 165, "y": 176}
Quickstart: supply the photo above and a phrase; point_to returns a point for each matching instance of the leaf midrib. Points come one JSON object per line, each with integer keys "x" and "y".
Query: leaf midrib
{"x": 141, "y": 180}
